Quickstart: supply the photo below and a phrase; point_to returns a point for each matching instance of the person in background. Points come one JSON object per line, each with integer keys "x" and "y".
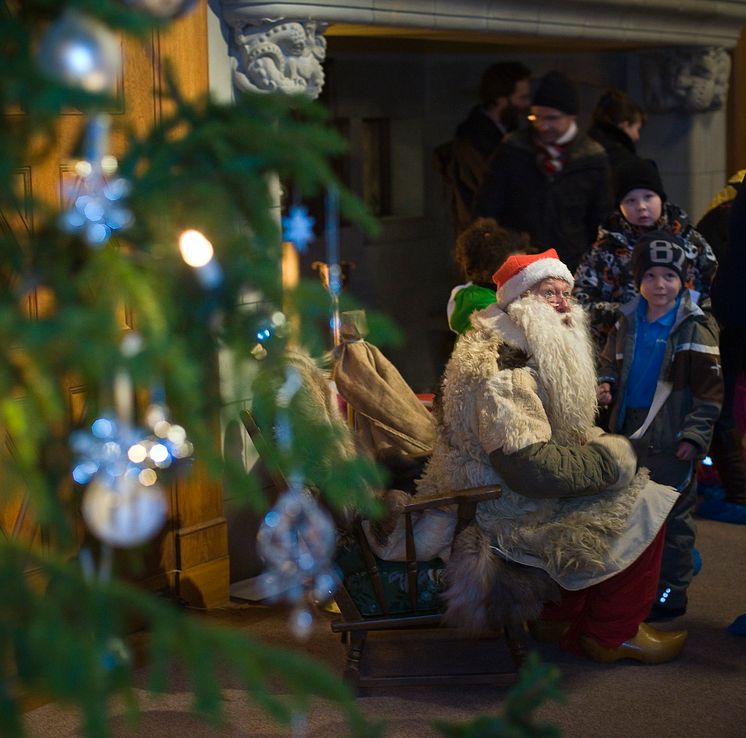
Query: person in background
{"x": 660, "y": 371}
{"x": 715, "y": 222}
{"x": 479, "y": 250}
{"x": 616, "y": 124}
{"x": 551, "y": 181}
{"x": 505, "y": 96}
{"x": 729, "y": 307}
{"x": 604, "y": 280}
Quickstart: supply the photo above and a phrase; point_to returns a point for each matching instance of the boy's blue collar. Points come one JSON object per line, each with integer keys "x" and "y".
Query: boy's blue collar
{"x": 667, "y": 318}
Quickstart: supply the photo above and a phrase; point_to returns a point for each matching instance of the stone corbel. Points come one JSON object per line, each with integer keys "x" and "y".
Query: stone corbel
{"x": 279, "y": 55}
{"x": 688, "y": 80}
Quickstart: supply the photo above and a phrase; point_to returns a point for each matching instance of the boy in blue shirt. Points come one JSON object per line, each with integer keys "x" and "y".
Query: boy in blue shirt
{"x": 660, "y": 371}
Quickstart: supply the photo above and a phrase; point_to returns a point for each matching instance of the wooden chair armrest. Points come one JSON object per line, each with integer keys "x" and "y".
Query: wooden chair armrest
{"x": 474, "y": 495}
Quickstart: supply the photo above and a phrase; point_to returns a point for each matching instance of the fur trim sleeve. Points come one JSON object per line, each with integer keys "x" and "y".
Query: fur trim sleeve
{"x": 510, "y": 415}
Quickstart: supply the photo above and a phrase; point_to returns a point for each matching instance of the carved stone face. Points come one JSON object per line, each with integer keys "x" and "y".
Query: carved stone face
{"x": 691, "y": 80}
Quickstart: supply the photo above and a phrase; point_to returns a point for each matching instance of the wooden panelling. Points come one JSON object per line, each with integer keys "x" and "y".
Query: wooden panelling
{"x": 189, "y": 557}
{"x": 202, "y": 542}
{"x": 205, "y": 585}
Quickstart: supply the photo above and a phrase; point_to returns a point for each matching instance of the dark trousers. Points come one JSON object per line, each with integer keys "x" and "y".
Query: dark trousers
{"x": 677, "y": 565}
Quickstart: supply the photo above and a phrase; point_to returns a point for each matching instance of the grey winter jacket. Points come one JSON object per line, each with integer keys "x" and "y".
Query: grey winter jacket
{"x": 690, "y": 371}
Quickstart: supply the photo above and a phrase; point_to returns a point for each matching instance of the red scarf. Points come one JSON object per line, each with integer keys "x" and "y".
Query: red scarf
{"x": 551, "y": 156}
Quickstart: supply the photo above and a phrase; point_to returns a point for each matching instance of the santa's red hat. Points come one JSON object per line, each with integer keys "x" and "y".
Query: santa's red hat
{"x": 520, "y": 272}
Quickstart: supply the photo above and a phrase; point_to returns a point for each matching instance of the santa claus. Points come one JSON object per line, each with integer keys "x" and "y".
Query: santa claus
{"x": 574, "y": 542}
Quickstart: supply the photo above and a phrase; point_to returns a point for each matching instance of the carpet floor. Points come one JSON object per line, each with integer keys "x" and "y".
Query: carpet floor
{"x": 700, "y": 695}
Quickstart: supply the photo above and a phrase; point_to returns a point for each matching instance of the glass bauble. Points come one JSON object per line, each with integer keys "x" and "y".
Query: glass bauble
{"x": 81, "y": 52}
{"x": 123, "y": 513}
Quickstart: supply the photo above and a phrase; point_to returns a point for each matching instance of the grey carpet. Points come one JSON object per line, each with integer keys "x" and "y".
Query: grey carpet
{"x": 700, "y": 695}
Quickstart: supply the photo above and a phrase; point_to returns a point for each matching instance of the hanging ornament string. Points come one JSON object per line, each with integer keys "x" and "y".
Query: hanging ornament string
{"x": 297, "y": 537}
{"x": 332, "y": 259}
{"x": 123, "y": 504}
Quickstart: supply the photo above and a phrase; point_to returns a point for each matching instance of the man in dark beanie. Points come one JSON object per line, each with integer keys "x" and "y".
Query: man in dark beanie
{"x": 504, "y": 100}
{"x": 551, "y": 180}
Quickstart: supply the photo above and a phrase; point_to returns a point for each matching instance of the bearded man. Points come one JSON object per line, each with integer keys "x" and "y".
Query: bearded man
{"x": 575, "y": 522}
{"x": 505, "y": 96}
{"x": 551, "y": 180}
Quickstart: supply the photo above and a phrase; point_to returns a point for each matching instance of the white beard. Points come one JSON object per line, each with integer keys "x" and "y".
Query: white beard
{"x": 562, "y": 353}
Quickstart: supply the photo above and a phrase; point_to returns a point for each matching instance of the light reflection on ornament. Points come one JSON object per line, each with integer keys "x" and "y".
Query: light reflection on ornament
{"x": 259, "y": 352}
{"x": 109, "y": 165}
{"x": 137, "y": 453}
{"x": 131, "y": 344}
{"x": 112, "y": 449}
{"x": 176, "y": 434}
{"x": 263, "y": 334}
{"x": 82, "y": 168}
{"x": 160, "y": 455}
{"x": 147, "y": 477}
{"x": 81, "y": 52}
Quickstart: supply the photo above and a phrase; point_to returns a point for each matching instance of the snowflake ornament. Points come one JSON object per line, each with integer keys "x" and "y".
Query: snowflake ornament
{"x": 298, "y": 227}
{"x": 96, "y": 198}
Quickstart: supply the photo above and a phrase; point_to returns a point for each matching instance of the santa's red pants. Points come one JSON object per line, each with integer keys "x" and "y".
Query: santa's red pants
{"x": 611, "y": 611}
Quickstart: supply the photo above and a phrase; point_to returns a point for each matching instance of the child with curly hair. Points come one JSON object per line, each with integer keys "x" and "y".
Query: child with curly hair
{"x": 480, "y": 250}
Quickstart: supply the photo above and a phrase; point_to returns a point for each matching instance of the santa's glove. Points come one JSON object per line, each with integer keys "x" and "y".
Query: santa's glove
{"x": 621, "y": 450}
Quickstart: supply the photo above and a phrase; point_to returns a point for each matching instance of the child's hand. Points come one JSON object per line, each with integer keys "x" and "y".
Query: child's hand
{"x": 686, "y": 451}
{"x": 603, "y": 393}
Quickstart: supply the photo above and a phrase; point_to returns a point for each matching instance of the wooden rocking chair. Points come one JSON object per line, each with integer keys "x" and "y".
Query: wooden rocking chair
{"x": 383, "y": 596}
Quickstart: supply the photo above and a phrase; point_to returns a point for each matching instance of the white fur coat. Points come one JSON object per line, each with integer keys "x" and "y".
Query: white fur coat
{"x": 493, "y": 400}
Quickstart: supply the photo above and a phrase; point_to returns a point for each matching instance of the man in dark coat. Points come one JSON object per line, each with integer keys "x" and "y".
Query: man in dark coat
{"x": 551, "y": 181}
{"x": 505, "y": 96}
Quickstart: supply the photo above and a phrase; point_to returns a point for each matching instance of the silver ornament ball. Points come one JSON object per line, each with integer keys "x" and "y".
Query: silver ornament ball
{"x": 123, "y": 513}
{"x": 81, "y": 52}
